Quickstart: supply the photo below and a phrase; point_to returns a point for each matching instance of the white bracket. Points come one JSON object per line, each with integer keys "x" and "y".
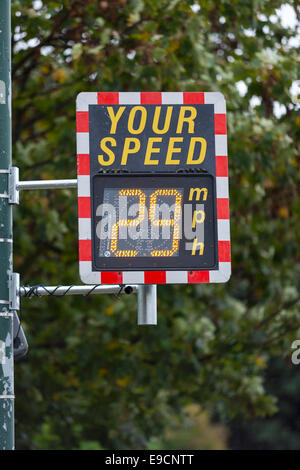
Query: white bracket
{"x": 15, "y": 185}
{"x": 13, "y": 180}
{"x": 14, "y": 288}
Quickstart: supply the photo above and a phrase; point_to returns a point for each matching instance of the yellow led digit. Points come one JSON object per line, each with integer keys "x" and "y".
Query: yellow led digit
{"x": 127, "y": 223}
{"x": 126, "y": 253}
{"x": 175, "y": 222}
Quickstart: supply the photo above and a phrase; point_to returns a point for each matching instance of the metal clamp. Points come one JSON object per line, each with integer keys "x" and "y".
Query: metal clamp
{"x": 14, "y": 288}
{"x": 13, "y": 180}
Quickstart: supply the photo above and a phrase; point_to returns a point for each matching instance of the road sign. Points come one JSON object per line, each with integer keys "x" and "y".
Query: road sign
{"x": 153, "y": 201}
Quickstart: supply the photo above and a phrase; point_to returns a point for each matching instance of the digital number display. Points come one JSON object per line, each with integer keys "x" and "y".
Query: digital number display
{"x": 140, "y": 228}
{"x": 157, "y": 222}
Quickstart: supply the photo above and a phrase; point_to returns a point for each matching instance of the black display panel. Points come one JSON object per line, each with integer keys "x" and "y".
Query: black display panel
{"x": 156, "y": 222}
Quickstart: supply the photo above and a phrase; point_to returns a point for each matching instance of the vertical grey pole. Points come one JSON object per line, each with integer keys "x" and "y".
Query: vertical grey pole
{"x": 147, "y": 305}
{"x": 6, "y": 316}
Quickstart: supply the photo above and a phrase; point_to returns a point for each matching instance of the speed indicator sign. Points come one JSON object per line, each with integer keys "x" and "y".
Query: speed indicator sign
{"x": 153, "y": 202}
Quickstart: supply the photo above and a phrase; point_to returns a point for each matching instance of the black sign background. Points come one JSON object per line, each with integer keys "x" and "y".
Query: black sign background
{"x": 100, "y": 126}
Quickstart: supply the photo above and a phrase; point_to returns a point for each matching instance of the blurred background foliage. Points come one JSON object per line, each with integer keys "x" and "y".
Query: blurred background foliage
{"x": 93, "y": 379}
{"x": 280, "y": 431}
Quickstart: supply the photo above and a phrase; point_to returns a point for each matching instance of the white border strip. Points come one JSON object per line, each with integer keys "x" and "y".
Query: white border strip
{"x": 217, "y": 99}
{"x": 83, "y": 182}
{"x": 83, "y": 143}
{"x": 130, "y": 98}
{"x": 84, "y": 99}
{"x": 222, "y": 187}
{"x": 85, "y": 229}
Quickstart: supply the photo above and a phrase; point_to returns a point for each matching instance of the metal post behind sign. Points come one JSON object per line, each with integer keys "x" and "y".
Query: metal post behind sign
{"x": 147, "y": 305}
{"x": 6, "y": 315}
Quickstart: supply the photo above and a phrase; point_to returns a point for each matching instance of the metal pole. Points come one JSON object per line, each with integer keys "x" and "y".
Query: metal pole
{"x": 47, "y": 184}
{"x": 59, "y": 291}
{"x": 147, "y": 305}
{"x": 6, "y": 315}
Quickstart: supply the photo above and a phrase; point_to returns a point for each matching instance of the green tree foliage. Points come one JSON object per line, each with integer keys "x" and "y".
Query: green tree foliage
{"x": 93, "y": 378}
{"x": 281, "y": 430}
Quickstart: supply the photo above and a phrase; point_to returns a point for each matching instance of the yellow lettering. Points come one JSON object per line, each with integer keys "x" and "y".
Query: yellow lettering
{"x": 151, "y": 150}
{"x": 202, "y": 153}
{"x": 195, "y": 218}
{"x": 142, "y": 124}
{"x": 197, "y": 245}
{"x": 172, "y": 150}
{"x": 127, "y": 150}
{"x": 189, "y": 119}
{"x": 114, "y": 118}
{"x": 167, "y": 120}
{"x": 110, "y": 153}
{"x": 198, "y": 192}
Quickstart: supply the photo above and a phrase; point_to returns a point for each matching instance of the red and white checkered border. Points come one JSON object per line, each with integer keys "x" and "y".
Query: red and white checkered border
{"x": 88, "y": 276}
